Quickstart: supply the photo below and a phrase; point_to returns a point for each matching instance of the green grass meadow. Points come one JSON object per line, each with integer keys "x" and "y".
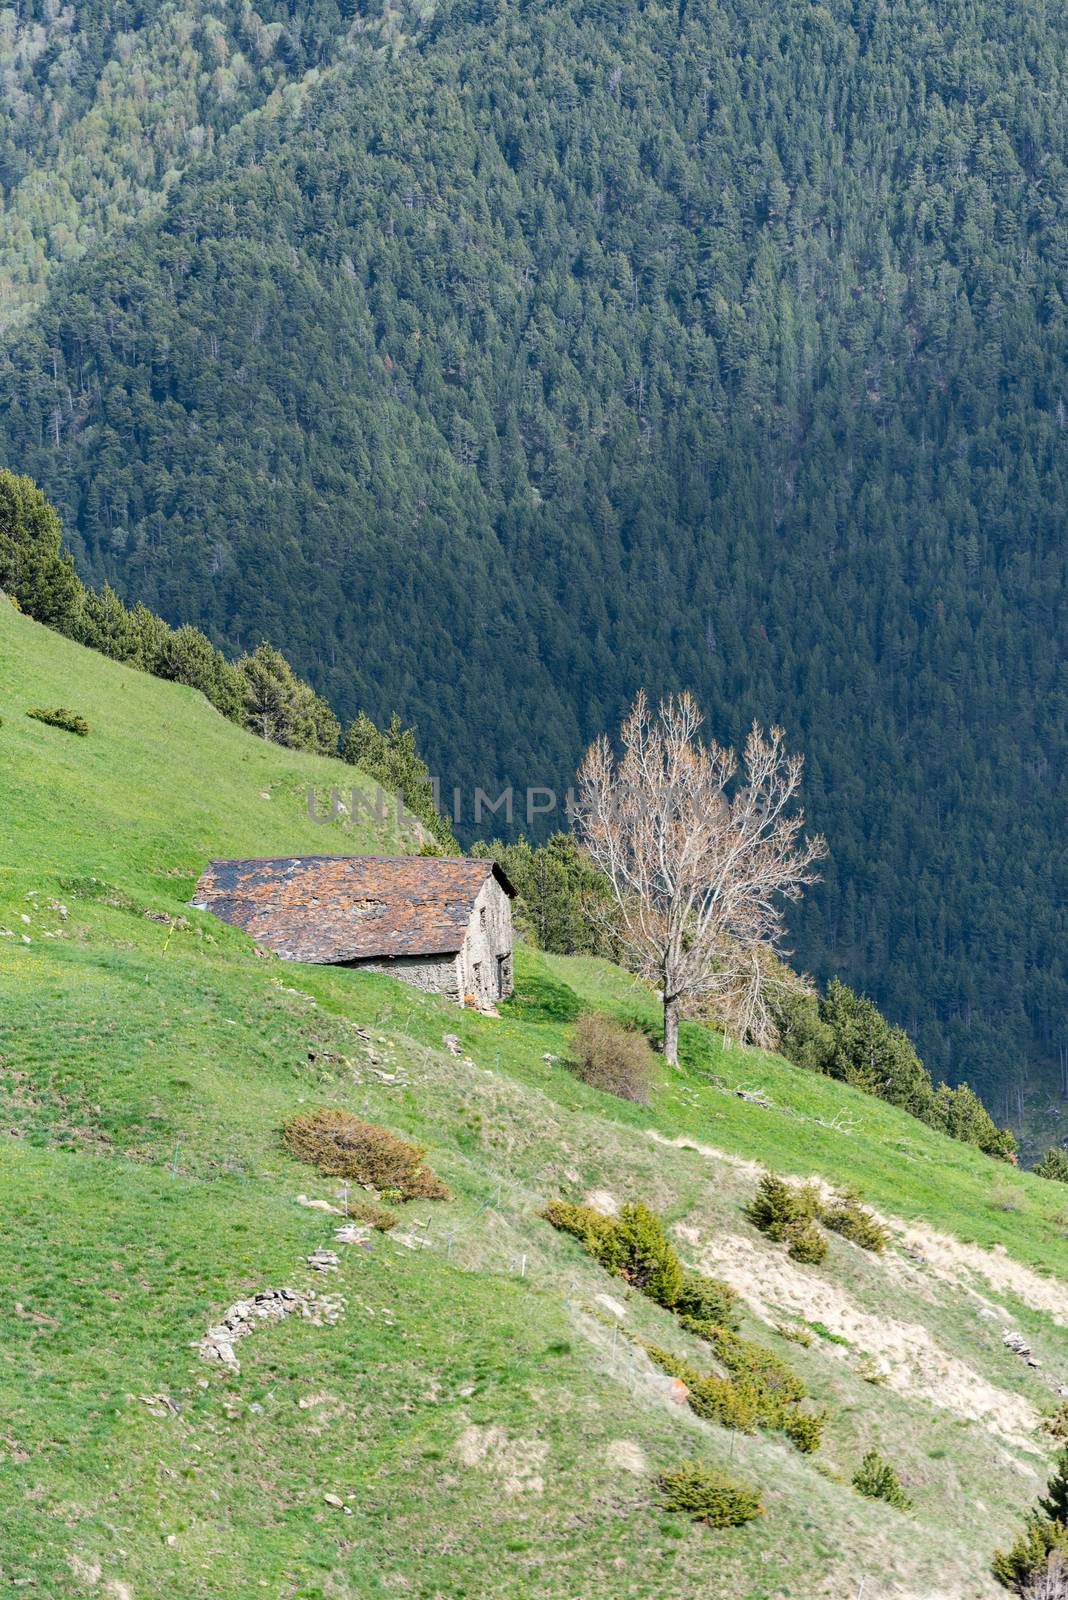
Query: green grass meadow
{"x": 481, "y": 1412}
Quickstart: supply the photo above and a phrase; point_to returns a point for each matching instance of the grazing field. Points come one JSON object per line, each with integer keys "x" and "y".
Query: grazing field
{"x": 463, "y": 1406}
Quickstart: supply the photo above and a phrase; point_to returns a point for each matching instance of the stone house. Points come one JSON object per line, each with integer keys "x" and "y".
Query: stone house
{"x": 442, "y": 923}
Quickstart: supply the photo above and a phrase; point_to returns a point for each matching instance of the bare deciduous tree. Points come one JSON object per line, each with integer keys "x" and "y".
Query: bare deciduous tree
{"x": 1052, "y": 1582}
{"x": 698, "y": 863}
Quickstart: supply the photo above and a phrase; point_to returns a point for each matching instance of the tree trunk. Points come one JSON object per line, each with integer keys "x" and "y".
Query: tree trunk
{"x": 671, "y": 1032}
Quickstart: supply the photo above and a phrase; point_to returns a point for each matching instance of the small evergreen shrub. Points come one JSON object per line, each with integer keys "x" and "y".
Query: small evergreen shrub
{"x": 1039, "y": 1554}
{"x": 845, "y": 1215}
{"x": 611, "y": 1057}
{"x": 761, "y": 1392}
{"x": 60, "y": 717}
{"x": 1054, "y": 1164}
{"x": 825, "y": 1333}
{"x": 709, "y": 1496}
{"x": 804, "y": 1429}
{"x": 1056, "y": 1423}
{"x": 806, "y": 1243}
{"x": 711, "y": 1397}
{"x": 1040, "y": 1549}
{"x": 779, "y": 1206}
{"x": 641, "y": 1253}
{"x": 744, "y": 1359}
{"x": 633, "y": 1245}
{"x": 876, "y": 1479}
{"x": 591, "y": 1228}
{"x": 702, "y": 1299}
{"x": 342, "y": 1146}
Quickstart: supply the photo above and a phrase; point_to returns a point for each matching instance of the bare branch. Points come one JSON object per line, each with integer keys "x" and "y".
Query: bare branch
{"x": 700, "y": 855}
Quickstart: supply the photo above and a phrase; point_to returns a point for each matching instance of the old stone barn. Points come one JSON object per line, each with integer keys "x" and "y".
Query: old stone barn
{"x": 442, "y": 923}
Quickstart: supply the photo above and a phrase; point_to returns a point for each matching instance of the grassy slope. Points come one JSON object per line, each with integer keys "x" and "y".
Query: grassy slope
{"x": 145, "y": 1066}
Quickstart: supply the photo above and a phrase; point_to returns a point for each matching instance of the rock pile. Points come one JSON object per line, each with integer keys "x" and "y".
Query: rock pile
{"x": 269, "y": 1305}
{"x": 324, "y": 1260}
{"x": 1019, "y": 1346}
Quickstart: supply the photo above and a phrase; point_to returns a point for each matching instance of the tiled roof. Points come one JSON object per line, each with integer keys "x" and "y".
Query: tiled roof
{"x": 348, "y": 908}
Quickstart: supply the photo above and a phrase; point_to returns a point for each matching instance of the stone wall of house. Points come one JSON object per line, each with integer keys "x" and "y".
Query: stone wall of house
{"x": 485, "y": 961}
{"x": 434, "y": 974}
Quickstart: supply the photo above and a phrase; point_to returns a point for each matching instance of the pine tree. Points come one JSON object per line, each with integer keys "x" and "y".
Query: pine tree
{"x": 33, "y": 565}
{"x": 1054, "y": 1503}
{"x": 1054, "y": 1164}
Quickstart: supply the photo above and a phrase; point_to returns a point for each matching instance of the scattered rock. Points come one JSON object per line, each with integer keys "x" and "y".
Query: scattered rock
{"x": 451, "y": 1043}
{"x": 616, "y": 1307}
{"x": 323, "y": 1260}
{"x": 319, "y": 1205}
{"x": 269, "y": 1305}
{"x": 334, "y": 1500}
{"x": 161, "y": 1405}
{"x": 1019, "y": 1346}
{"x": 353, "y": 1233}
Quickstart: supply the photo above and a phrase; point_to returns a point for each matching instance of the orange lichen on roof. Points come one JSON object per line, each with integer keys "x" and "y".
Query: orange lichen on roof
{"x": 348, "y": 908}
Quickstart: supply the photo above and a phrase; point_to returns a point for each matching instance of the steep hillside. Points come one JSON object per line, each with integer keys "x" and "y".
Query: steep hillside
{"x": 470, "y": 1390}
{"x": 106, "y": 108}
{"x": 576, "y": 347}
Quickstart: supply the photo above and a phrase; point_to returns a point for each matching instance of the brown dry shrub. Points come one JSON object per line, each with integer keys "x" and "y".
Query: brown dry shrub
{"x": 373, "y": 1215}
{"x": 340, "y": 1145}
{"x": 611, "y": 1057}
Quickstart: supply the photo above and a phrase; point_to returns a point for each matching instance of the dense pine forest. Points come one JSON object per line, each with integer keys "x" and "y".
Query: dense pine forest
{"x": 496, "y": 360}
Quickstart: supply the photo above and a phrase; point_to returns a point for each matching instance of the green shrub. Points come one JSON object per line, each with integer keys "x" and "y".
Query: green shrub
{"x": 711, "y": 1397}
{"x": 709, "y": 1496}
{"x": 643, "y": 1255}
{"x": 1054, "y": 1164}
{"x": 845, "y": 1215}
{"x": 807, "y": 1243}
{"x": 779, "y": 1206}
{"x": 825, "y": 1333}
{"x": 633, "y": 1245}
{"x": 611, "y": 1057}
{"x": 804, "y": 1429}
{"x": 1041, "y": 1548}
{"x": 592, "y": 1228}
{"x": 341, "y": 1146}
{"x": 761, "y": 1391}
{"x": 60, "y": 717}
{"x": 704, "y": 1299}
{"x": 876, "y": 1479}
{"x": 745, "y": 1359}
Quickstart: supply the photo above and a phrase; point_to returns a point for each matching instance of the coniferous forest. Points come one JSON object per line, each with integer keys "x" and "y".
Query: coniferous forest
{"x": 498, "y": 359}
